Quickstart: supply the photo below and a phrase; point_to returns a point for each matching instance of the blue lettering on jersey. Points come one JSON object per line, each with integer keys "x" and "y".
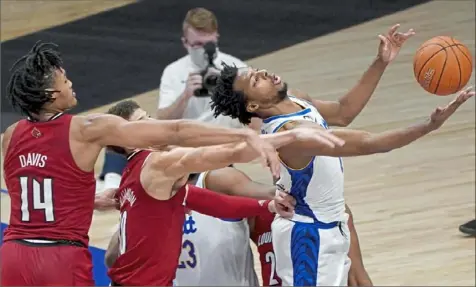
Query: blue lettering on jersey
{"x": 189, "y": 226}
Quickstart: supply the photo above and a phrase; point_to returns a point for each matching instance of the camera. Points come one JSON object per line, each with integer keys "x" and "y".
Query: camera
{"x": 210, "y": 73}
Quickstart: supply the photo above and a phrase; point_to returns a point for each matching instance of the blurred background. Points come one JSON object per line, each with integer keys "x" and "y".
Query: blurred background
{"x": 407, "y": 204}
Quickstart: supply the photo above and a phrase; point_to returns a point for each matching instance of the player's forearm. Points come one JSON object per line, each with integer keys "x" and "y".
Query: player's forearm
{"x": 175, "y": 110}
{"x": 223, "y": 206}
{"x": 394, "y": 139}
{"x": 352, "y": 103}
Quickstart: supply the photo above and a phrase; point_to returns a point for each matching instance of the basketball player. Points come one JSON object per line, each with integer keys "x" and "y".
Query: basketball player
{"x": 48, "y": 169}
{"x": 311, "y": 249}
{"x": 153, "y": 201}
{"x": 217, "y": 251}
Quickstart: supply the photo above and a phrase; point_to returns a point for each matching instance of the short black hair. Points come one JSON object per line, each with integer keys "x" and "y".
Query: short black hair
{"x": 124, "y": 109}
{"x": 227, "y": 101}
{"x": 31, "y": 75}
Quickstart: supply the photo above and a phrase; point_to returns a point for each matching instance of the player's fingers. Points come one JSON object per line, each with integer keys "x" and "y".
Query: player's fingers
{"x": 382, "y": 38}
{"x": 409, "y": 33}
{"x": 393, "y": 29}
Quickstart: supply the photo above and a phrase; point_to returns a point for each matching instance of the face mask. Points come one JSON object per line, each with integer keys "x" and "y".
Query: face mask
{"x": 198, "y": 56}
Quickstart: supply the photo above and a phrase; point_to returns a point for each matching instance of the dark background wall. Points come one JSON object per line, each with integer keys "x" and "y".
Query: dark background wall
{"x": 121, "y": 52}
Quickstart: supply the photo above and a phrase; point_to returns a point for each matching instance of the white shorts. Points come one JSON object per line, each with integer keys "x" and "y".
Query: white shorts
{"x": 311, "y": 254}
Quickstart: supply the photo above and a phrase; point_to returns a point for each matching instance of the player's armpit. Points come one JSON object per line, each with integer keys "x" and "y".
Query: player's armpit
{"x": 329, "y": 110}
{"x": 112, "y": 251}
{"x": 232, "y": 181}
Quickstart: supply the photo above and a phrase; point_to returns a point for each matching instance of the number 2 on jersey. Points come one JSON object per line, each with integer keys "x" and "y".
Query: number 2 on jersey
{"x": 270, "y": 258}
{"x": 42, "y": 197}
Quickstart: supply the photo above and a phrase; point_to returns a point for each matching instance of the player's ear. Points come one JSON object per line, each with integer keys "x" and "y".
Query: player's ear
{"x": 251, "y": 107}
{"x": 53, "y": 93}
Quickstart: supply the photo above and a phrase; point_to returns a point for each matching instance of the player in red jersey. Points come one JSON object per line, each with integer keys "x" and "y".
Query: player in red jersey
{"x": 232, "y": 181}
{"x": 49, "y": 163}
{"x": 153, "y": 201}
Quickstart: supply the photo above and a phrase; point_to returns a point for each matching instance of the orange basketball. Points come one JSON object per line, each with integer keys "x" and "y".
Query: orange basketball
{"x": 442, "y": 65}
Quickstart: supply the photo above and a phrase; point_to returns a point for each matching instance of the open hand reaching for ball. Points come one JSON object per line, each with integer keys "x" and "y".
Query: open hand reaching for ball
{"x": 391, "y": 43}
{"x": 441, "y": 114}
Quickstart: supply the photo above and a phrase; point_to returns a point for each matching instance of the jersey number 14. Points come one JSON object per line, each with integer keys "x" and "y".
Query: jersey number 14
{"x": 42, "y": 197}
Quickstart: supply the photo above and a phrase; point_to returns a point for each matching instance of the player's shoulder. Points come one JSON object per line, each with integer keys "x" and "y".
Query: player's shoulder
{"x": 231, "y": 60}
{"x": 7, "y": 135}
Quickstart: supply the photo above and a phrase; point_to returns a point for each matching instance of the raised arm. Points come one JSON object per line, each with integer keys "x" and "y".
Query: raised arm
{"x": 343, "y": 111}
{"x": 364, "y": 143}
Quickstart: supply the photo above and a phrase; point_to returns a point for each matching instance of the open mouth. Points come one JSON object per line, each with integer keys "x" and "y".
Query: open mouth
{"x": 74, "y": 94}
{"x": 276, "y": 80}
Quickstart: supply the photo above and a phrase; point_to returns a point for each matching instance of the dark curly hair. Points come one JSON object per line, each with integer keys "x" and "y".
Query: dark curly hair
{"x": 31, "y": 75}
{"x": 227, "y": 101}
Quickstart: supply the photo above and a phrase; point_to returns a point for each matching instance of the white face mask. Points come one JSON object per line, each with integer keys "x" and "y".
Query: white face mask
{"x": 198, "y": 56}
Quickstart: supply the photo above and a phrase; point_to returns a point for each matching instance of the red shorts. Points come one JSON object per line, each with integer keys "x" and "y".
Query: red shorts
{"x": 47, "y": 264}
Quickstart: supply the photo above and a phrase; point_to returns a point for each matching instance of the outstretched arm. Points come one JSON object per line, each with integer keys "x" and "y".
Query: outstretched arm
{"x": 112, "y": 130}
{"x": 181, "y": 161}
{"x": 343, "y": 111}
{"x": 364, "y": 143}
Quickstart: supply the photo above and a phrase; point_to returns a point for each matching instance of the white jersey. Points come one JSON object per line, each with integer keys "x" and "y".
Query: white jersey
{"x": 215, "y": 251}
{"x": 319, "y": 187}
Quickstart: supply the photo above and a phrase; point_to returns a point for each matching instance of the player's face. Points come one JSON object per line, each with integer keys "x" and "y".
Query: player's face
{"x": 262, "y": 89}
{"x": 64, "y": 96}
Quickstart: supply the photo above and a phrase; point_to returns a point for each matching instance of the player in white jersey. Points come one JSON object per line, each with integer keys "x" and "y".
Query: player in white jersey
{"x": 216, "y": 251}
{"x": 311, "y": 249}
{"x": 208, "y": 239}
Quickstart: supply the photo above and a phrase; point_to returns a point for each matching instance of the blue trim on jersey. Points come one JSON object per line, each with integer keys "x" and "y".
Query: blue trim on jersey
{"x": 300, "y": 180}
{"x": 300, "y": 113}
{"x": 305, "y": 243}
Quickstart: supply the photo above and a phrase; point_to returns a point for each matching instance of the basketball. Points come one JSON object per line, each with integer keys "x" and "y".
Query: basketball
{"x": 442, "y": 65}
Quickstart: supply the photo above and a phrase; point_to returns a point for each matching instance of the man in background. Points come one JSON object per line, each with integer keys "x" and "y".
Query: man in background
{"x": 183, "y": 94}
{"x": 186, "y": 84}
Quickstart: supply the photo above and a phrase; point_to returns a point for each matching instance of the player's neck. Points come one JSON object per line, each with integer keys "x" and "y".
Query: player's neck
{"x": 286, "y": 106}
{"x": 44, "y": 116}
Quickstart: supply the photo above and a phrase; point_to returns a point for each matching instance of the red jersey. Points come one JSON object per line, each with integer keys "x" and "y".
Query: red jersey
{"x": 150, "y": 232}
{"x": 261, "y": 236}
{"x": 51, "y": 197}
